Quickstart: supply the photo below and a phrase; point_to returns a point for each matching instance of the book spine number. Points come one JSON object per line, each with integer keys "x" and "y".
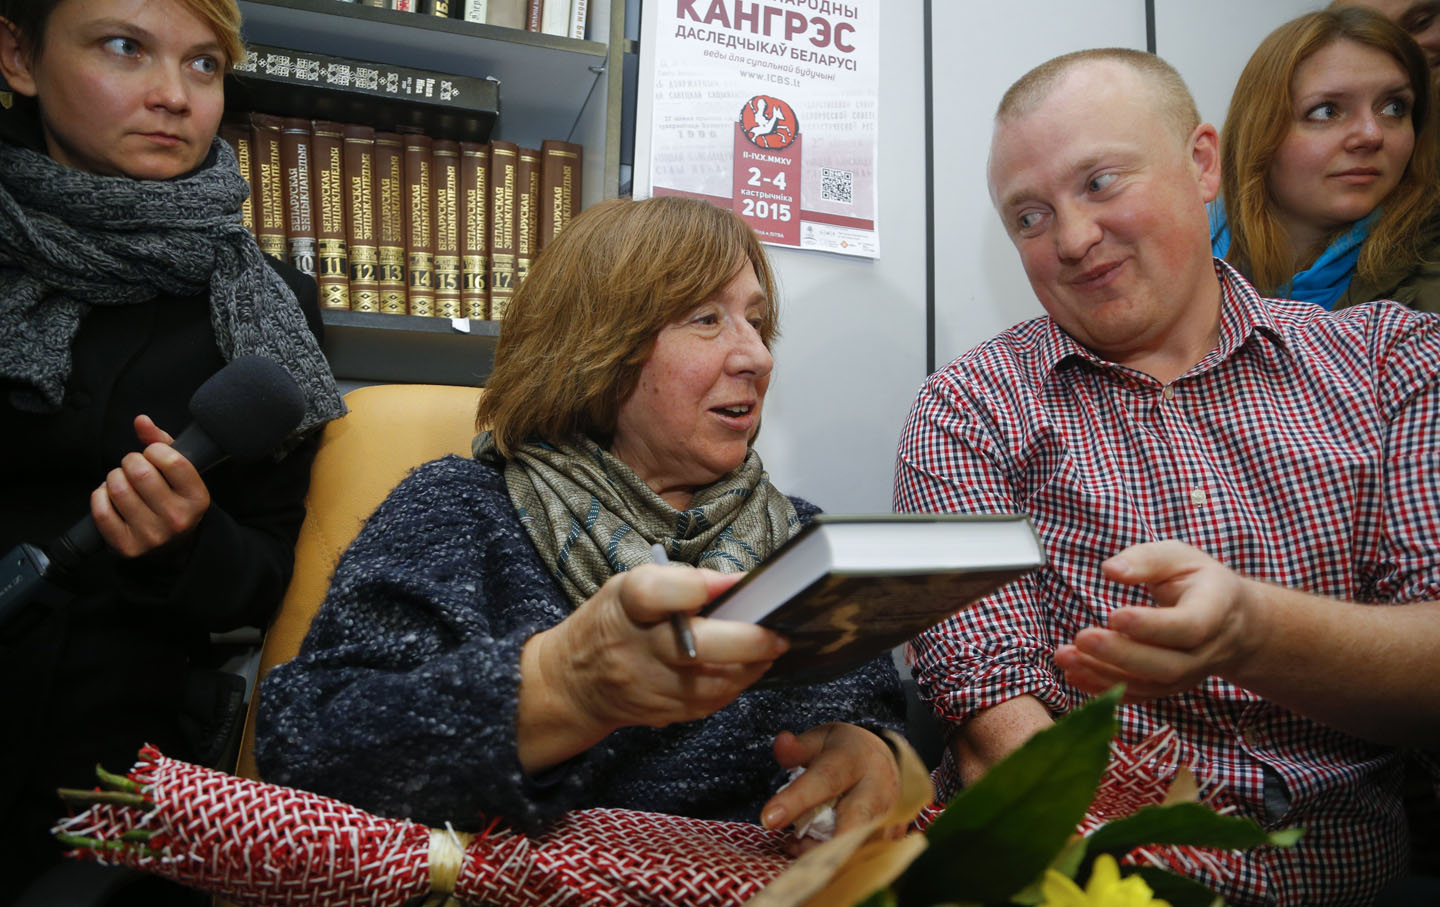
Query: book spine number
{"x": 446, "y": 175}
{"x": 390, "y": 195}
{"x": 503, "y": 165}
{"x": 364, "y": 253}
{"x": 332, "y": 259}
{"x": 474, "y": 235}
{"x": 295, "y": 146}
{"x": 420, "y": 237}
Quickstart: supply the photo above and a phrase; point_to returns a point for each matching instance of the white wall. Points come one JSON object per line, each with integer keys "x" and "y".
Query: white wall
{"x": 1210, "y": 42}
{"x": 853, "y": 350}
{"x": 981, "y": 48}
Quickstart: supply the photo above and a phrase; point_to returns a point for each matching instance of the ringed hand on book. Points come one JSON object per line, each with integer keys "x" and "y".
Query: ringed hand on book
{"x": 615, "y": 663}
{"x": 153, "y": 497}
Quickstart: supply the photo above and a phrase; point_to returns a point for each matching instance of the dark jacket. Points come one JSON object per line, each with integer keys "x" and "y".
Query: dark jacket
{"x": 127, "y": 661}
{"x": 403, "y": 697}
{"x": 1417, "y": 286}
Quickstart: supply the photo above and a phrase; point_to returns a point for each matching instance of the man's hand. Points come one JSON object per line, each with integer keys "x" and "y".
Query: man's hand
{"x": 1203, "y": 628}
{"x": 151, "y": 498}
{"x": 841, "y": 761}
{"x": 614, "y": 663}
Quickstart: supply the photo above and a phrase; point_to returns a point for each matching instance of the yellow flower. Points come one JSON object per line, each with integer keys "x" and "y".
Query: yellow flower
{"x": 1105, "y": 889}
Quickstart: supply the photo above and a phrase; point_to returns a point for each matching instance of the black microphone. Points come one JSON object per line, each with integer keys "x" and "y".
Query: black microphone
{"x": 244, "y": 411}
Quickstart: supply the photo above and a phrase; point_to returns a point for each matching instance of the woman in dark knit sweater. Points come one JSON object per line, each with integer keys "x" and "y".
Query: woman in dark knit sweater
{"x": 496, "y": 641}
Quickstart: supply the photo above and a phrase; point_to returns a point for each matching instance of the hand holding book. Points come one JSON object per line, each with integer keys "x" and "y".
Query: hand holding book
{"x": 847, "y": 588}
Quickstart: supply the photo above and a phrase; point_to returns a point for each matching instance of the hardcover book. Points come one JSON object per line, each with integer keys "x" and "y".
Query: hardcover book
{"x": 445, "y": 207}
{"x": 847, "y": 588}
{"x": 504, "y": 162}
{"x": 332, "y": 257}
{"x": 578, "y": 11}
{"x": 476, "y": 10}
{"x": 507, "y": 13}
{"x": 559, "y": 186}
{"x": 360, "y": 203}
{"x": 420, "y": 229}
{"x": 269, "y": 183}
{"x": 527, "y": 220}
{"x": 295, "y": 154}
{"x": 474, "y": 232}
{"x": 390, "y": 205}
{"x": 555, "y": 20}
{"x": 238, "y": 135}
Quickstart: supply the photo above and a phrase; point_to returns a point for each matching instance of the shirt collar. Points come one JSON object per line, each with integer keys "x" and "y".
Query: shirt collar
{"x": 1243, "y": 314}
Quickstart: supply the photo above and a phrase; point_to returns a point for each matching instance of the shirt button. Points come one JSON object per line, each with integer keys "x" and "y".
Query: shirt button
{"x": 1168, "y": 392}
{"x": 1197, "y": 496}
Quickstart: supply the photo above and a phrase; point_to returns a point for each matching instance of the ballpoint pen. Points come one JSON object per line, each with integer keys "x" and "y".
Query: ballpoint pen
{"x": 679, "y": 620}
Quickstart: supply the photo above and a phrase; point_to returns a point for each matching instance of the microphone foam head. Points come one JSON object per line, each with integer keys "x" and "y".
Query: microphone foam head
{"x": 249, "y": 407}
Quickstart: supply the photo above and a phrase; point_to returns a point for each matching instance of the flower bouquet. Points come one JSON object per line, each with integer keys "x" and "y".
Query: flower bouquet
{"x": 1071, "y": 819}
{"x": 1010, "y": 838}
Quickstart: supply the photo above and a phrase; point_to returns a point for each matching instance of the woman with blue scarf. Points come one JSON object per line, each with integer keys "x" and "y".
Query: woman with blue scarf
{"x": 1330, "y": 181}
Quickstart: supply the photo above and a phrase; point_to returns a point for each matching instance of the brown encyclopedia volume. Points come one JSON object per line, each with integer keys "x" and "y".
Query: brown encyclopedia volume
{"x": 420, "y": 225}
{"x": 390, "y": 222}
{"x": 360, "y": 202}
{"x": 332, "y": 257}
{"x": 474, "y": 231}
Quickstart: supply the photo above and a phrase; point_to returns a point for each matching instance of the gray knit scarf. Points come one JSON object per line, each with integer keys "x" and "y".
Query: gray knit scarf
{"x": 590, "y": 515}
{"x": 70, "y": 240}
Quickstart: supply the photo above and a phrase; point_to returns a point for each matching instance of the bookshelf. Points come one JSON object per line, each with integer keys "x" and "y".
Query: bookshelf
{"x": 549, "y": 87}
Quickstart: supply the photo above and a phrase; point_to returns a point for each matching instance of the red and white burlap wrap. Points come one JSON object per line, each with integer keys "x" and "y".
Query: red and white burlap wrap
{"x": 259, "y": 844}
{"x": 1136, "y": 776}
{"x": 1141, "y": 775}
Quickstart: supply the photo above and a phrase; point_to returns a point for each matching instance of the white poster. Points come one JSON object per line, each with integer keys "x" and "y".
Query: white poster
{"x": 768, "y": 108}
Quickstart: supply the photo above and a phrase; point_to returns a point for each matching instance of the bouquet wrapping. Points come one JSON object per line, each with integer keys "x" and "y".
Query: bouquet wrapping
{"x": 261, "y": 845}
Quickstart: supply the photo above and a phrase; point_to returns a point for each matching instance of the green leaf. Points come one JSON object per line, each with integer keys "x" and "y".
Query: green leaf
{"x": 882, "y": 898}
{"x": 1178, "y": 890}
{"x": 998, "y": 835}
{"x": 1066, "y": 862}
{"x": 1182, "y": 823}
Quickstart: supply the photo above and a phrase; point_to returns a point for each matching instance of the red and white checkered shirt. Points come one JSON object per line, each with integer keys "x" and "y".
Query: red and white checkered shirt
{"x": 1303, "y": 451}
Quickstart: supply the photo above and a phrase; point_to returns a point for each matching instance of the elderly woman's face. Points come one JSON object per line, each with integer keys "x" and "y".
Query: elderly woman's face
{"x": 1350, "y": 138}
{"x": 128, "y": 87}
{"x": 692, "y": 414}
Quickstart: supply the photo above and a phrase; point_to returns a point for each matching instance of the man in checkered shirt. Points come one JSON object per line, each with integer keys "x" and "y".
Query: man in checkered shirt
{"x": 1257, "y": 465}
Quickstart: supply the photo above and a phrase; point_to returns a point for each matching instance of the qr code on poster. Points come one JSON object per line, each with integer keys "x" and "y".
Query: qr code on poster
{"x": 837, "y": 186}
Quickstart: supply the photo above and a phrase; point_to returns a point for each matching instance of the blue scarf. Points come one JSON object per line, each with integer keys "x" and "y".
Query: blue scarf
{"x": 1325, "y": 281}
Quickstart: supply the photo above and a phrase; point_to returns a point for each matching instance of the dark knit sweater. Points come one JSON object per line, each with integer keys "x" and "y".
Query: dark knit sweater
{"x": 402, "y": 700}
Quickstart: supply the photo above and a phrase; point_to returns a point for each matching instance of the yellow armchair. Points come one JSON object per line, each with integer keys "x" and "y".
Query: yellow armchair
{"x": 390, "y": 429}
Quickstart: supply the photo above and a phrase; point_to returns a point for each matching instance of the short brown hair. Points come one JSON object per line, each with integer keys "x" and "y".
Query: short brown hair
{"x": 1260, "y": 118}
{"x": 1171, "y": 94}
{"x": 584, "y": 322}
{"x": 30, "y": 17}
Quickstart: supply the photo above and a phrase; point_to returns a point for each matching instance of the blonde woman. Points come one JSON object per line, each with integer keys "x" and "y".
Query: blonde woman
{"x": 1330, "y": 179}
{"x": 127, "y": 280}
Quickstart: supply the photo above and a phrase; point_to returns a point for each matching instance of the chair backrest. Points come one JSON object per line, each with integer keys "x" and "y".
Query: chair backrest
{"x": 391, "y": 429}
